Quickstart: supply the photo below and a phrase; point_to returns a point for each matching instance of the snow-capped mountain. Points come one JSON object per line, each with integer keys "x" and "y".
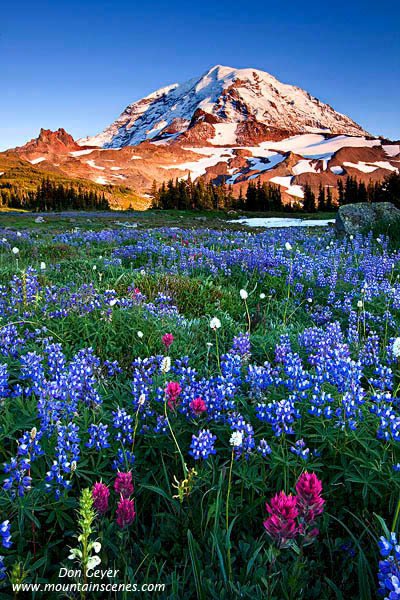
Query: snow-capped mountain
{"x": 228, "y": 126}
{"x": 225, "y": 106}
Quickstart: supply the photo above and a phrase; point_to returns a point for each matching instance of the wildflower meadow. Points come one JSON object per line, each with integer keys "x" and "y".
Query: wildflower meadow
{"x": 209, "y": 409}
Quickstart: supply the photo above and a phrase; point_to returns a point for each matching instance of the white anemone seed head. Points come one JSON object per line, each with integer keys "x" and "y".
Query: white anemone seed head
{"x": 262, "y": 296}
{"x": 288, "y": 246}
{"x": 215, "y": 323}
{"x": 140, "y": 334}
{"x": 15, "y": 250}
{"x": 42, "y": 265}
{"x": 243, "y": 294}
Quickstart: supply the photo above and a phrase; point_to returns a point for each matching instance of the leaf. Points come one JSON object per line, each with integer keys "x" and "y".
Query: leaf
{"x": 193, "y": 549}
{"x": 383, "y": 525}
{"x": 339, "y": 595}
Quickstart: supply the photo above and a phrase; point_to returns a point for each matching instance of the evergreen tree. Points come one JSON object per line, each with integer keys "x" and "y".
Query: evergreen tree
{"x": 321, "y": 198}
{"x": 309, "y": 199}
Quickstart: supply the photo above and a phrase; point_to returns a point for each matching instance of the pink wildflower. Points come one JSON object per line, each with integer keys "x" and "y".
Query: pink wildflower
{"x": 167, "y": 340}
{"x": 173, "y": 390}
{"x": 309, "y": 501}
{"x": 100, "y": 495}
{"x": 281, "y": 525}
{"x": 123, "y": 484}
{"x": 198, "y": 406}
{"x": 125, "y": 512}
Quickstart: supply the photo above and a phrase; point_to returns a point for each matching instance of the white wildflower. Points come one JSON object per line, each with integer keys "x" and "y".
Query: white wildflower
{"x": 396, "y": 347}
{"x": 15, "y": 250}
{"x": 142, "y": 399}
{"x": 236, "y": 439}
{"x": 96, "y": 547}
{"x": 165, "y": 364}
{"x": 243, "y": 294}
{"x": 75, "y": 553}
{"x": 262, "y": 296}
{"x": 215, "y": 323}
{"x": 42, "y": 266}
{"x": 288, "y": 246}
{"x": 140, "y": 334}
{"x": 359, "y": 304}
{"x": 113, "y": 302}
{"x": 93, "y": 562}
{"x": 94, "y": 267}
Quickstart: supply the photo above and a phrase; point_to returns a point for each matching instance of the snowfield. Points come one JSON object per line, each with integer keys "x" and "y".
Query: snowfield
{"x": 270, "y": 222}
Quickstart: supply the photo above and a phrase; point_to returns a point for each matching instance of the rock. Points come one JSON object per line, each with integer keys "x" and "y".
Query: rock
{"x": 353, "y": 218}
{"x": 130, "y": 225}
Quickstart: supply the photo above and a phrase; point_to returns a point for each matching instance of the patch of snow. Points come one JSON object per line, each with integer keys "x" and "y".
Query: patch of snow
{"x": 360, "y": 166}
{"x": 2, "y": 173}
{"x": 116, "y": 168}
{"x": 284, "y": 181}
{"x": 119, "y": 176}
{"x": 304, "y": 166}
{"x": 316, "y": 146}
{"x": 337, "y": 170}
{"x": 224, "y": 134}
{"x": 292, "y": 190}
{"x": 81, "y": 152}
{"x": 282, "y": 222}
{"x": 101, "y": 180}
{"x": 135, "y": 157}
{"x": 198, "y": 168}
{"x": 391, "y": 150}
{"x": 93, "y": 164}
{"x": 35, "y": 161}
{"x": 385, "y": 165}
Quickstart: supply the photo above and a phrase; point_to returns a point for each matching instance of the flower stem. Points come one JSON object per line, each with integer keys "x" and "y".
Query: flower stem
{"x": 227, "y": 515}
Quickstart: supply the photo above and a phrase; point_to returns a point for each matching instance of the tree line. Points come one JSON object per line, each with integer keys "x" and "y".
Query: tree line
{"x": 50, "y": 195}
{"x": 265, "y": 197}
{"x": 188, "y": 195}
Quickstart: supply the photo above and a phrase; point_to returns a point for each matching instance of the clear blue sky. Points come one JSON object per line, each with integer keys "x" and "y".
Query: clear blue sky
{"x": 77, "y": 64}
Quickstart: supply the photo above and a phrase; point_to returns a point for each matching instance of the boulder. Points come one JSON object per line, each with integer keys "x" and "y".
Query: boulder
{"x": 354, "y": 218}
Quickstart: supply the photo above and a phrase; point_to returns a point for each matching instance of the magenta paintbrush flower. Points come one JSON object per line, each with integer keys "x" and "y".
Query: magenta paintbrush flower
{"x": 173, "y": 390}
{"x": 281, "y": 525}
{"x": 123, "y": 484}
{"x": 125, "y": 512}
{"x": 309, "y": 501}
{"x": 167, "y": 340}
{"x": 100, "y": 495}
{"x": 198, "y": 406}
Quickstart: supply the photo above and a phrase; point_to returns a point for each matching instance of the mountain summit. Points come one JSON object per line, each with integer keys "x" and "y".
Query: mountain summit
{"x": 239, "y": 104}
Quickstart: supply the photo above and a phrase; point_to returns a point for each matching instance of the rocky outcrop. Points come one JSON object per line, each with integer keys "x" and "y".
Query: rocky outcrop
{"x": 354, "y": 218}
